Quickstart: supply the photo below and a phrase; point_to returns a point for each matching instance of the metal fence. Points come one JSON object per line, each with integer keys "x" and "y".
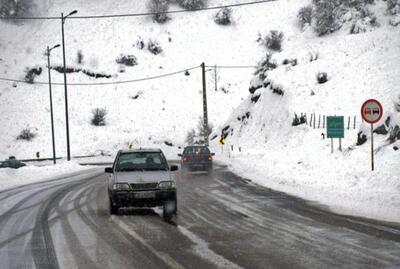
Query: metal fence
{"x": 318, "y": 121}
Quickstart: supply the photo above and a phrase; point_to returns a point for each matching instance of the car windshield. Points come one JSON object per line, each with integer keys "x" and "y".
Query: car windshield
{"x": 141, "y": 161}
{"x": 196, "y": 150}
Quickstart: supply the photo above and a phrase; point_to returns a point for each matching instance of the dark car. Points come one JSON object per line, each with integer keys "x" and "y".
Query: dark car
{"x": 196, "y": 158}
{"x": 12, "y": 162}
{"x": 142, "y": 178}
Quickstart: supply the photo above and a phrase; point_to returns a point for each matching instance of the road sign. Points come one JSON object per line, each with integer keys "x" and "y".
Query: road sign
{"x": 371, "y": 111}
{"x": 335, "y": 127}
{"x": 222, "y": 141}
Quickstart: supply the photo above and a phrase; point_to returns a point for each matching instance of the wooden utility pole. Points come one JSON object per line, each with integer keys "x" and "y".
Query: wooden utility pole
{"x": 205, "y": 115}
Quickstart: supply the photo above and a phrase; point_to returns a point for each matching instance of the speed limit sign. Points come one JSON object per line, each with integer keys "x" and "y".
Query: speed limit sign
{"x": 372, "y": 112}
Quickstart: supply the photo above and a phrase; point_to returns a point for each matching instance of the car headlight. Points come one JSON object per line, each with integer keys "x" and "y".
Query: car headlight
{"x": 166, "y": 185}
{"x": 121, "y": 187}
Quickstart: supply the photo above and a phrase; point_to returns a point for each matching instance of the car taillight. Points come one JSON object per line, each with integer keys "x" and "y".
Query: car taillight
{"x": 184, "y": 159}
{"x": 210, "y": 158}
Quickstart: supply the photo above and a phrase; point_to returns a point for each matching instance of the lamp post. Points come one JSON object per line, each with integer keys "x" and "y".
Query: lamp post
{"x": 51, "y": 101}
{"x": 63, "y": 18}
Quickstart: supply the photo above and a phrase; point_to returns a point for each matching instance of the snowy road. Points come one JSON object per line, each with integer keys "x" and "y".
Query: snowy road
{"x": 223, "y": 222}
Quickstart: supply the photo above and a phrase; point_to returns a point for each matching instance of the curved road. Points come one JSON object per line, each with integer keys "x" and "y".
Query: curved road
{"x": 224, "y": 222}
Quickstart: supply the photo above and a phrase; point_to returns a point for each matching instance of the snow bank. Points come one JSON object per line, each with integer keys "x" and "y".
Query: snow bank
{"x": 29, "y": 174}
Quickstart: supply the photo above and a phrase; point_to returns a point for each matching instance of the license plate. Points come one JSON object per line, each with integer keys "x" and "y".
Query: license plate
{"x": 145, "y": 195}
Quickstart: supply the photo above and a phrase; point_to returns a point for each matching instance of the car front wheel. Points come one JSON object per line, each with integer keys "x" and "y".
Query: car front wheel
{"x": 113, "y": 209}
{"x": 169, "y": 209}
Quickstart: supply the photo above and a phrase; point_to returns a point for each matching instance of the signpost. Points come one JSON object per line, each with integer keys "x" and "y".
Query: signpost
{"x": 372, "y": 112}
{"x": 335, "y": 129}
{"x": 222, "y": 142}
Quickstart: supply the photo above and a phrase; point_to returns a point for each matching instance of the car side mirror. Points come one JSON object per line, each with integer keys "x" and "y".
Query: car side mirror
{"x": 212, "y": 154}
{"x": 179, "y": 154}
{"x": 108, "y": 170}
{"x": 174, "y": 168}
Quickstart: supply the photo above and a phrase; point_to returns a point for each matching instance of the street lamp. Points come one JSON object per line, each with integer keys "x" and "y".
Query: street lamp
{"x": 63, "y": 18}
{"x": 51, "y": 101}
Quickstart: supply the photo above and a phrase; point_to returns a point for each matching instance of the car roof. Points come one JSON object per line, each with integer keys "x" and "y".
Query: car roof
{"x": 196, "y": 146}
{"x": 141, "y": 150}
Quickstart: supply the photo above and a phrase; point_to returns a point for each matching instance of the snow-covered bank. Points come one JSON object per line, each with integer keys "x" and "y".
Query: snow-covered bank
{"x": 296, "y": 159}
{"x": 10, "y": 178}
{"x": 342, "y": 181}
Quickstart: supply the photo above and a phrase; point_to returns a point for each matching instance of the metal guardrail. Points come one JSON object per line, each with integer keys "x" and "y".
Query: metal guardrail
{"x": 60, "y": 158}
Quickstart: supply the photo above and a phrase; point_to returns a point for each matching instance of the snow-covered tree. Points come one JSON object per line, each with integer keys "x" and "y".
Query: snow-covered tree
{"x": 14, "y": 8}
{"x": 326, "y": 16}
{"x": 159, "y": 7}
{"x": 192, "y": 4}
{"x": 223, "y": 16}
{"x": 393, "y": 6}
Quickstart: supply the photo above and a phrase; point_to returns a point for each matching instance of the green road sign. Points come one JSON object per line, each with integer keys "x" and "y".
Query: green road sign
{"x": 335, "y": 127}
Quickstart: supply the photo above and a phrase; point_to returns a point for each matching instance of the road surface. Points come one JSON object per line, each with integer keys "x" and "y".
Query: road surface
{"x": 223, "y": 222}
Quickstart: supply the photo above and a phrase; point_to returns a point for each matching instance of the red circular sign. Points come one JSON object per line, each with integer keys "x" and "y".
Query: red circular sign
{"x": 371, "y": 111}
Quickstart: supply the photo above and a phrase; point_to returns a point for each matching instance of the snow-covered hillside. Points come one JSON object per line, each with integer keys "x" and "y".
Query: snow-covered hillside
{"x": 296, "y": 159}
{"x": 166, "y": 108}
{"x": 272, "y": 152}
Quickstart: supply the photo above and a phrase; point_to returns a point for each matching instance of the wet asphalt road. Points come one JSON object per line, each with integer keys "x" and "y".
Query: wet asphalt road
{"x": 223, "y": 222}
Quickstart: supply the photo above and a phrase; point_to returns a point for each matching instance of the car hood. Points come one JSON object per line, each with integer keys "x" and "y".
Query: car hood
{"x": 142, "y": 177}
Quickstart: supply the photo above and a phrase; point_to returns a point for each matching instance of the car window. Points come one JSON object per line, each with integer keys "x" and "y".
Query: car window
{"x": 141, "y": 161}
{"x": 194, "y": 150}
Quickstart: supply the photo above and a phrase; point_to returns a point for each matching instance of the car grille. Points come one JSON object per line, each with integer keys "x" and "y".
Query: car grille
{"x": 144, "y": 186}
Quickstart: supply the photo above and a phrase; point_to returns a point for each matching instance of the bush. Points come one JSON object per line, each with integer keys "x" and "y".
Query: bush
{"x": 79, "y": 57}
{"x": 192, "y": 4}
{"x": 99, "y": 117}
{"x": 197, "y": 136}
{"x": 274, "y": 40}
{"x": 396, "y": 102}
{"x": 190, "y": 137}
{"x": 305, "y": 16}
{"x": 31, "y": 73}
{"x": 223, "y": 16}
{"x": 26, "y": 134}
{"x": 393, "y": 6}
{"x": 298, "y": 121}
{"x": 154, "y": 47}
{"x": 140, "y": 43}
{"x": 326, "y": 16}
{"x": 16, "y": 8}
{"x": 159, "y": 7}
{"x": 128, "y": 60}
{"x": 265, "y": 65}
{"x": 322, "y": 77}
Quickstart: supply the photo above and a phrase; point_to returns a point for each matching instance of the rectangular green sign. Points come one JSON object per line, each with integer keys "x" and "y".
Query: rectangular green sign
{"x": 335, "y": 127}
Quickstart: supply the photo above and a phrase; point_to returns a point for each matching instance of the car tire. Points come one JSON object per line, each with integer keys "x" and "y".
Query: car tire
{"x": 113, "y": 209}
{"x": 167, "y": 212}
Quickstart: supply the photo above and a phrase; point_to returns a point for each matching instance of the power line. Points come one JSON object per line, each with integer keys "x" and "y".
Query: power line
{"x": 104, "y": 83}
{"x": 129, "y": 81}
{"x": 231, "y": 66}
{"x": 138, "y": 14}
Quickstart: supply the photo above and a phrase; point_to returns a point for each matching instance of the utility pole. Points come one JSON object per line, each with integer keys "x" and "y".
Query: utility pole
{"x": 205, "y": 117}
{"x": 215, "y": 78}
{"x": 65, "y": 83}
{"x": 51, "y": 102}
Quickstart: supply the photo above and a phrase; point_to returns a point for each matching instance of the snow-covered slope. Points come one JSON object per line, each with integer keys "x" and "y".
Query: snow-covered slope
{"x": 166, "y": 108}
{"x": 268, "y": 149}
